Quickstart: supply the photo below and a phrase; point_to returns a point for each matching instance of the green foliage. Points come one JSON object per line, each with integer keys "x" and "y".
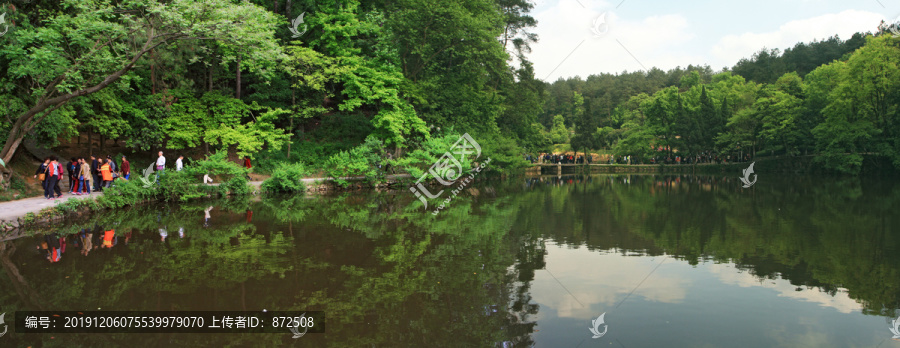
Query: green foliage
{"x": 427, "y": 153}
{"x": 104, "y": 41}
{"x": 559, "y": 134}
{"x": 286, "y": 178}
{"x": 361, "y": 161}
{"x": 837, "y": 112}
{"x": 505, "y": 154}
{"x": 218, "y": 120}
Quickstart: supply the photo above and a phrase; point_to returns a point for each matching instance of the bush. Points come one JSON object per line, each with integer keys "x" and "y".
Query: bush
{"x": 419, "y": 160}
{"x": 505, "y": 154}
{"x": 286, "y": 178}
{"x": 362, "y": 160}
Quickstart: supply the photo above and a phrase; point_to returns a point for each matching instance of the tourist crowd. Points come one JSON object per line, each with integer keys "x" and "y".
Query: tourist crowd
{"x": 87, "y": 174}
{"x": 84, "y": 174}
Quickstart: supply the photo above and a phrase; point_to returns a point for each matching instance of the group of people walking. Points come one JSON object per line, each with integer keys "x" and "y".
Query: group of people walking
{"x": 92, "y": 174}
{"x": 564, "y": 158}
{"x": 84, "y": 175}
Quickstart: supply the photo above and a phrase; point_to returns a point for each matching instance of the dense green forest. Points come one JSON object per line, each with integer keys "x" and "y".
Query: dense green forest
{"x": 221, "y": 74}
{"x": 835, "y": 100}
{"x": 341, "y": 84}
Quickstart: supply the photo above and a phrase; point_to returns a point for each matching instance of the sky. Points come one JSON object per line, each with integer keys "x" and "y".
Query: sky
{"x": 641, "y": 34}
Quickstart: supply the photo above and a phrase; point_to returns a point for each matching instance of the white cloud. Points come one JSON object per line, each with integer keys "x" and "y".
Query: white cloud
{"x": 841, "y": 301}
{"x": 732, "y": 48}
{"x": 629, "y": 45}
{"x": 600, "y": 281}
{"x": 667, "y": 40}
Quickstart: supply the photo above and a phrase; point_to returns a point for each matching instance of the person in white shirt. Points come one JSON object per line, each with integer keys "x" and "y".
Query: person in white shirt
{"x": 178, "y": 164}
{"x": 160, "y": 162}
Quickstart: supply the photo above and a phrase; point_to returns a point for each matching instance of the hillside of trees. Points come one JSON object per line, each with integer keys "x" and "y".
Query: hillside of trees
{"x": 202, "y": 76}
{"x": 836, "y": 100}
{"x": 341, "y": 83}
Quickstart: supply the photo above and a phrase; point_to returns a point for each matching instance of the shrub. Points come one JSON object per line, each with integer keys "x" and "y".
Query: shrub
{"x": 363, "y": 160}
{"x": 420, "y": 159}
{"x": 286, "y": 178}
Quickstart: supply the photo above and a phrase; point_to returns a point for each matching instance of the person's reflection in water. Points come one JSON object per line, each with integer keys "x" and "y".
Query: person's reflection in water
{"x": 249, "y": 215}
{"x": 109, "y": 238}
{"x": 86, "y": 242}
{"x": 53, "y": 247}
{"x": 162, "y": 229}
{"x": 96, "y": 240}
{"x": 206, "y": 216}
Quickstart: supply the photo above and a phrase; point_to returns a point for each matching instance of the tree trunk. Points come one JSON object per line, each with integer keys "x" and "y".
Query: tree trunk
{"x": 102, "y": 144}
{"x": 212, "y": 66}
{"x": 290, "y": 140}
{"x": 287, "y": 8}
{"x": 152, "y": 77}
{"x": 293, "y": 103}
{"x": 90, "y": 142}
{"x": 237, "y": 87}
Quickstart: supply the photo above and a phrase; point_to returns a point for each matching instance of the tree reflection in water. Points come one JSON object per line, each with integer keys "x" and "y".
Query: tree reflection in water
{"x": 388, "y": 273}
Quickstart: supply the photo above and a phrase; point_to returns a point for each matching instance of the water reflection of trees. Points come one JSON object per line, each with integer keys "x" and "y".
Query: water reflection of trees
{"x": 386, "y": 272}
{"x": 390, "y": 273}
{"x": 819, "y": 232}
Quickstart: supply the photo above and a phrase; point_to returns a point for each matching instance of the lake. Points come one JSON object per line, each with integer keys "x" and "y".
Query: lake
{"x": 662, "y": 260}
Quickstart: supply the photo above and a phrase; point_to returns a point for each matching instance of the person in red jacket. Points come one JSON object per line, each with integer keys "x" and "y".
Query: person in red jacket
{"x": 248, "y": 166}
{"x": 126, "y": 168}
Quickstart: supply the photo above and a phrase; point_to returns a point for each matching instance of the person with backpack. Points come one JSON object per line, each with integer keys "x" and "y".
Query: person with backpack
{"x": 61, "y": 170}
{"x": 95, "y": 173}
{"x": 113, "y": 167}
{"x": 71, "y": 167}
{"x": 52, "y": 175}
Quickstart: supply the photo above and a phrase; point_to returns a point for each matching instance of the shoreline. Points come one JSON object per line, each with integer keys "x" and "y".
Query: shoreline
{"x": 36, "y": 210}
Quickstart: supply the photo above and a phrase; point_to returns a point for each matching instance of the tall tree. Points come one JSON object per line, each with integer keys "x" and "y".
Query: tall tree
{"x": 106, "y": 40}
{"x": 585, "y": 126}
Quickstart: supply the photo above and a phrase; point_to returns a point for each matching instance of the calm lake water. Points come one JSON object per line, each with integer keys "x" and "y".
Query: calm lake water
{"x": 668, "y": 260}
